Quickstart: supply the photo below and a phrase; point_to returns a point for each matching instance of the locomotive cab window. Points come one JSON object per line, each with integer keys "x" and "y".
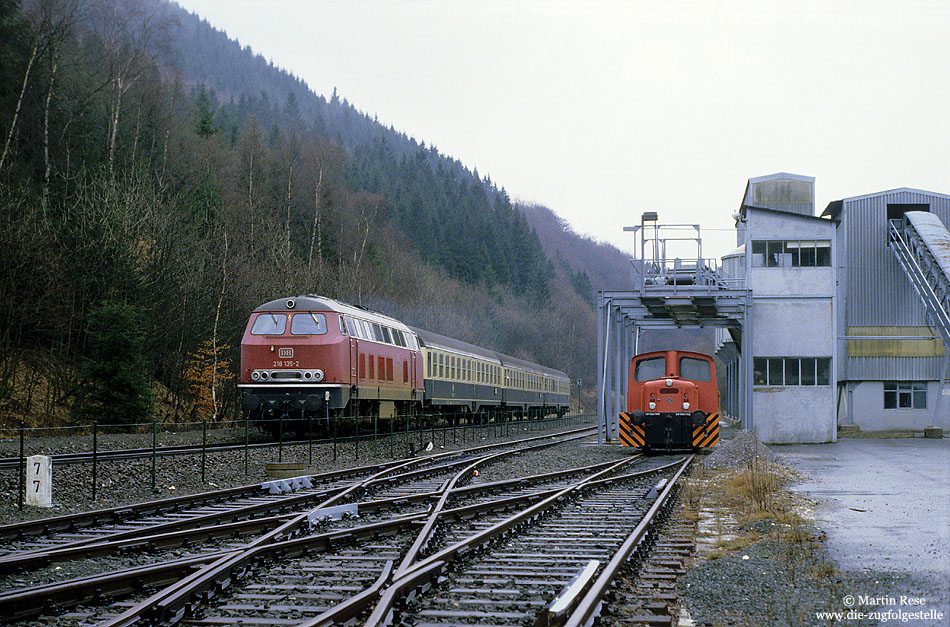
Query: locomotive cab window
{"x": 399, "y": 338}
{"x": 650, "y": 369}
{"x": 308, "y": 323}
{"x": 269, "y": 324}
{"x": 694, "y": 369}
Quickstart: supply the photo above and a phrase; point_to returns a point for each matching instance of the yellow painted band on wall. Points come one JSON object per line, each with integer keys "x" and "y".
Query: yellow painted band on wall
{"x": 890, "y": 346}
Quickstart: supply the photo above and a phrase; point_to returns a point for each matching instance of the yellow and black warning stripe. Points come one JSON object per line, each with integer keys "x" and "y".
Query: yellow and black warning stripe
{"x": 631, "y": 434}
{"x": 706, "y": 435}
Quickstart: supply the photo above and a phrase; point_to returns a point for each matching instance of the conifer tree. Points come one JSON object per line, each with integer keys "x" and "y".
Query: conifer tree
{"x": 115, "y": 382}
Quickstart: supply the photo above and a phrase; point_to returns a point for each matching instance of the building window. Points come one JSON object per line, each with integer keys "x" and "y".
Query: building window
{"x": 791, "y": 371}
{"x": 791, "y": 253}
{"x": 905, "y": 395}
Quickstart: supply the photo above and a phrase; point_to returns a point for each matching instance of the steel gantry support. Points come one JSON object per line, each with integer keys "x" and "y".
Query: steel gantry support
{"x": 621, "y": 315}
{"x": 921, "y": 244}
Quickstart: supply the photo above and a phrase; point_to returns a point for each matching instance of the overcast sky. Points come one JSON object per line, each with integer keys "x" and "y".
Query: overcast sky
{"x": 604, "y": 109}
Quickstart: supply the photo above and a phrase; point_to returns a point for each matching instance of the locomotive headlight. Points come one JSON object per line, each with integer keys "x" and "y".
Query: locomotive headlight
{"x": 685, "y": 405}
{"x": 318, "y": 375}
{"x": 652, "y": 405}
{"x": 669, "y": 383}
{"x": 263, "y": 375}
{"x": 255, "y": 375}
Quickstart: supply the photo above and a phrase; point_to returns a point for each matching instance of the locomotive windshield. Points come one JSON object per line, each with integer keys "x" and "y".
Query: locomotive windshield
{"x": 308, "y": 323}
{"x": 269, "y": 324}
{"x": 650, "y": 369}
{"x": 694, "y": 369}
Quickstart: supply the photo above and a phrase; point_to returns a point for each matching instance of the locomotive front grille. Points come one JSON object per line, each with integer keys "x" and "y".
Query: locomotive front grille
{"x": 314, "y": 376}
{"x": 287, "y": 374}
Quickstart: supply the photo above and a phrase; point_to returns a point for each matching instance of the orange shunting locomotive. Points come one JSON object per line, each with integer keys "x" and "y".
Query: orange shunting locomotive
{"x": 672, "y": 402}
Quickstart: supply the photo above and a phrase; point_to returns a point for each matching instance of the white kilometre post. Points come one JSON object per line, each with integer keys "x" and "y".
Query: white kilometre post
{"x": 39, "y": 481}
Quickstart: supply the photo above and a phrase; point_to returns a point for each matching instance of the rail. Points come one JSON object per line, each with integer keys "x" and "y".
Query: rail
{"x": 589, "y": 606}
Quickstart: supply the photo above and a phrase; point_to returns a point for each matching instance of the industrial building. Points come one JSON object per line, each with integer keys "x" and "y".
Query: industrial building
{"x": 787, "y": 257}
{"x": 830, "y": 322}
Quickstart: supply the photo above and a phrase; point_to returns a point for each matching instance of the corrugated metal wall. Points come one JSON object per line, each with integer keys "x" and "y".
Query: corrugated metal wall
{"x": 894, "y": 368}
{"x": 879, "y": 293}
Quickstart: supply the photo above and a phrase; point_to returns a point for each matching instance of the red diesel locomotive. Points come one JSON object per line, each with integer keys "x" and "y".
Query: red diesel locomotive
{"x": 311, "y": 357}
{"x": 672, "y": 402}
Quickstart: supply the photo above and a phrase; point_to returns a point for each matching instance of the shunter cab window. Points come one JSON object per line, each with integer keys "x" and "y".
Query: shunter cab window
{"x": 650, "y": 369}
{"x": 308, "y": 323}
{"x": 694, "y": 369}
{"x": 269, "y": 324}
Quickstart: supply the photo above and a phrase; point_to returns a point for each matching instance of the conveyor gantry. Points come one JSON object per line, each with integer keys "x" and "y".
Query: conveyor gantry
{"x": 669, "y": 292}
{"x": 922, "y": 245}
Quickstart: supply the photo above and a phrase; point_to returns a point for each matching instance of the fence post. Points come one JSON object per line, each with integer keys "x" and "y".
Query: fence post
{"x": 392, "y": 437}
{"x": 95, "y": 455}
{"x": 280, "y": 439}
{"x": 246, "y": 434}
{"x": 21, "y": 466}
{"x": 309, "y": 439}
{"x": 204, "y": 447}
{"x": 154, "y": 444}
{"x": 333, "y": 436}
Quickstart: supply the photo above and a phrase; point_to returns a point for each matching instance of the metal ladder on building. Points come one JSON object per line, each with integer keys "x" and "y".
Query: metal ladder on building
{"x": 922, "y": 246}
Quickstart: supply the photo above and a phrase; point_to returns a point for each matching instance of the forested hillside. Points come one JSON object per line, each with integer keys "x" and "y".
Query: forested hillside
{"x": 158, "y": 181}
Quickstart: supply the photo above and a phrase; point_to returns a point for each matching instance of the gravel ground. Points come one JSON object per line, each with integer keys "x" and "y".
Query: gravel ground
{"x": 739, "y": 451}
{"x": 776, "y": 570}
{"x": 780, "y": 582}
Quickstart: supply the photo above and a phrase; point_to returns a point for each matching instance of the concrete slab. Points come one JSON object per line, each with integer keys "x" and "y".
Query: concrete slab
{"x": 885, "y": 507}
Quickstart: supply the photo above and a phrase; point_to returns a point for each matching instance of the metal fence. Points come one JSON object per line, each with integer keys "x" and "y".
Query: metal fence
{"x": 346, "y": 437}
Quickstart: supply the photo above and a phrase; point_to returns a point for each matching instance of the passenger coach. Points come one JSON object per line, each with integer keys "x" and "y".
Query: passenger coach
{"x": 311, "y": 357}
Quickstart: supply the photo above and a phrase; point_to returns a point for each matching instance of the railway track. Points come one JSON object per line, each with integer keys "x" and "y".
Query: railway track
{"x": 306, "y": 573}
{"x": 551, "y": 563}
{"x": 218, "y": 524}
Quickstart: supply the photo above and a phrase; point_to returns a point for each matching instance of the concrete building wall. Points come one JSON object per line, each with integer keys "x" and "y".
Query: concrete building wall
{"x": 793, "y": 317}
{"x": 869, "y": 414}
{"x": 794, "y": 415}
{"x": 793, "y": 281}
{"x": 791, "y": 327}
